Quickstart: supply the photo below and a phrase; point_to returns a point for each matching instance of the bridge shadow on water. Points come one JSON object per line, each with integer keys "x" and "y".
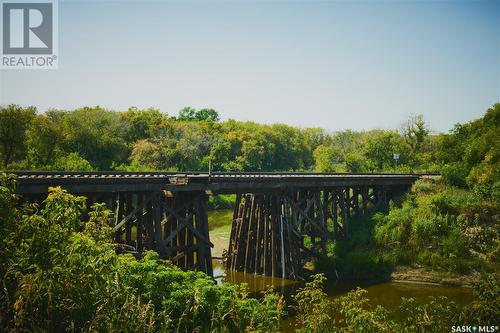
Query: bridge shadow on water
{"x": 352, "y": 263}
{"x": 349, "y": 263}
{"x": 355, "y": 258}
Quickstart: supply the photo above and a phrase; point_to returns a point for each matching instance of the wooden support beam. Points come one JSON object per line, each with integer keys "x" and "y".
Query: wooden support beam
{"x": 250, "y": 233}
{"x": 258, "y": 242}
{"x": 119, "y": 215}
{"x": 160, "y": 244}
{"x": 132, "y": 212}
{"x": 139, "y": 216}
{"x": 234, "y": 228}
{"x": 355, "y": 198}
{"x": 129, "y": 208}
{"x": 274, "y": 234}
{"x": 308, "y": 218}
{"x": 267, "y": 262}
{"x": 335, "y": 214}
{"x": 343, "y": 210}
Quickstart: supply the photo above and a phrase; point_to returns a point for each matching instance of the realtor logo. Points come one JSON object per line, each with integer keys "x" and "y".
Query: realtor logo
{"x": 29, "y": 34}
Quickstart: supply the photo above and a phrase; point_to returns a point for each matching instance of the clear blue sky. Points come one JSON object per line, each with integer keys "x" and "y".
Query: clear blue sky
{"x": 337, "y": 65}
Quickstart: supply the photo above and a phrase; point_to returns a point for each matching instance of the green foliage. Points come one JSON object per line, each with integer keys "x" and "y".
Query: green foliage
{"x": 59, "y": 273}
{"x": 95, "y": 134}
{"x": 360, "y": 316}
{"x": 221, "y": 201}
{"x": 14, "y": 123}
{"x": 71, "y": 162}
{"x": 374, "y": 150}
{"x": 435, "y": 227}
{"x": 43, "y": 141}
{"x": 485, "y": 308}
{"x": 380, "y": 149}
{"x": 190, "y": 114}
{"x": 441, "y": 228}
{"x": 436, "y": 316}
{"x": 147, "y": 139}
{"x": 327, "y": 159}
{"x": 455, "y": 174}
{"x": 313, "y": 307}
{"x": 143, "y": 124}
{"x": 316, "y": 312}
{"x": 471, "y": 153}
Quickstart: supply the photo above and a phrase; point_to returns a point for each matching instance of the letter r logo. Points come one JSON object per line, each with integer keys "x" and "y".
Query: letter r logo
{"x": 27, "y": 28}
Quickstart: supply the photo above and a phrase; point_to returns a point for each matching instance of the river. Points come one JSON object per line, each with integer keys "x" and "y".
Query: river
{"x": 387, "y": 294}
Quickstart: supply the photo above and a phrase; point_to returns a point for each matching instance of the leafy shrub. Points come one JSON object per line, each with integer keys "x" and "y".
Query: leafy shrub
{"x": 353, "y": 312}
{"x": 441, "y": 227}
{"x": 485, "y": 307}
{"x": 424, "y": 186}
{"x": 221, "y": 201}
{"x": 313, "y": 307}
{"x": 455, "y": 174}
{"x": 438, "y": 315}
{"x": 61, "y": 273}
{"x": 495, "y": 191}
{"x": 72, "y": 162}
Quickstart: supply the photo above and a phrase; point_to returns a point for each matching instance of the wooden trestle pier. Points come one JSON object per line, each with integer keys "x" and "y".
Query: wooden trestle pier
{"x": 280, "y": 220}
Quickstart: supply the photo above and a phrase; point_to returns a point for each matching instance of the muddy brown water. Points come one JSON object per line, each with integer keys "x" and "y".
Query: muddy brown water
{"x": 387, "y": 294}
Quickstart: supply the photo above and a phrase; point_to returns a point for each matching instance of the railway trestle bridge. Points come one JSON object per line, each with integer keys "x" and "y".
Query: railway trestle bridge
{"x": 280, "y": 220}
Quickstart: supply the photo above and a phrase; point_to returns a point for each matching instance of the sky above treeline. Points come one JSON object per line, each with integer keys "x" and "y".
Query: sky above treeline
{"x": 331, "y": 64}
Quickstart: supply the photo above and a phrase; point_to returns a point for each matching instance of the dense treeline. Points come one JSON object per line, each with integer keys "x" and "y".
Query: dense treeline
{"x": 99, "y": 139}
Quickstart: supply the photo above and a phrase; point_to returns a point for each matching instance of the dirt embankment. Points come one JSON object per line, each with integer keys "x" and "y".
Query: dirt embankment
{"x": 422, "y": 275}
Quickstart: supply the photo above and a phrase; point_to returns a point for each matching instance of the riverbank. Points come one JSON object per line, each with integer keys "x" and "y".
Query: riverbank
{"x": 220, "y": 230}
{"x": 422, "y": 275}
{"x": 219, "y": 225}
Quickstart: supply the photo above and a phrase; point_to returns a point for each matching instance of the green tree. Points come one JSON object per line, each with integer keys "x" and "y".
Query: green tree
{"x": 44, "y": 141}
{"x": 71, "y": 162}
{"x": 415, "y": 131}
{"x": 187, "y": 113}
{"x": 149, "y": 155}
{"x": 470, "y": 154}
{"x": 14, "y": 123}
{"x": 380, "y": 147}
{"x": 97, "y": 135}
{"x": 328, "y": 159}
{"x": 207, "y": 114}
{"x": 144, "y": 124}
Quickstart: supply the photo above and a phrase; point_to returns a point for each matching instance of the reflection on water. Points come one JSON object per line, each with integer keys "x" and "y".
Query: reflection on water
{"x": 256, "y": 283}
{"x": 387, "y": 294}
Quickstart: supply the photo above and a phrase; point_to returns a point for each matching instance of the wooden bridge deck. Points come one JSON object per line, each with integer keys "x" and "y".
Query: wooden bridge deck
{"x": 218, "y": 182}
